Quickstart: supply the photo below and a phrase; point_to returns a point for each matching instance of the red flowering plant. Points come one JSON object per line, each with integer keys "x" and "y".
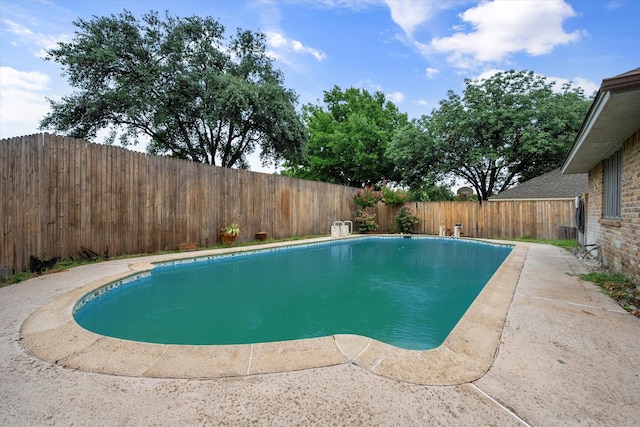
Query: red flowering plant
{"x": 367, "y": 197}
{"x": 366, "y": 221}
{"x": 364, "y": 218}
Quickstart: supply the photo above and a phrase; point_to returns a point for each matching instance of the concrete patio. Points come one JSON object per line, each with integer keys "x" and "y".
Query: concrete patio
{"x": 567, "y": 355}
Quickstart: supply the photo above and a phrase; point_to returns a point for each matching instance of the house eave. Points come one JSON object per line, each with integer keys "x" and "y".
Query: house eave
{"x": 612, "y": 118}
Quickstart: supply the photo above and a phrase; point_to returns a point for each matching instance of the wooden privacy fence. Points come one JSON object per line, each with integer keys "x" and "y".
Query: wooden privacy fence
{"x": 59, "y": 194}
{"x": 540, "y": 219}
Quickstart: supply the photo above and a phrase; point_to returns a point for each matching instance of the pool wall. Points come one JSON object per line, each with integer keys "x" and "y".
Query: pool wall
{"x": 52, "y": 334}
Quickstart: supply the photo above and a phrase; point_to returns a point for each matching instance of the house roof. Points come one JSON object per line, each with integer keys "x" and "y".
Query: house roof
{"x": 551, "y": 185}
{"x": 614, "y": 115}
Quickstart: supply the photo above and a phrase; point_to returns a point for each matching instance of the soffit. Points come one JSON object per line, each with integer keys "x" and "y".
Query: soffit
{"x": 613, "y": 117}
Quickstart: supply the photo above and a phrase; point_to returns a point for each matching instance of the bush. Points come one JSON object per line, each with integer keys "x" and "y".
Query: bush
{"x": 406, "y": 219}
{"x": 366, "y": 221}
{"x": 367, "y": 197}
{"x": 394, "y": 197}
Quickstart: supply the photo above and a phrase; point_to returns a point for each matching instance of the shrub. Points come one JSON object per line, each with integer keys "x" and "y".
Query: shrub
{"x": 366, "y": 221}
{"x": 394, "y": 197}
{"x": 367, "y": 197}
{"x": 406, "y": 219}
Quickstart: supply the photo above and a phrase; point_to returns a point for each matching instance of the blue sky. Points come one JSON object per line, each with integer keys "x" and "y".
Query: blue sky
{"x": 413, "y": 51}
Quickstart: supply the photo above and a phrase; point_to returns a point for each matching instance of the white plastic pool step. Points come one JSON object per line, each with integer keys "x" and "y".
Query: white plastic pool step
{"x": 341, "y": 228}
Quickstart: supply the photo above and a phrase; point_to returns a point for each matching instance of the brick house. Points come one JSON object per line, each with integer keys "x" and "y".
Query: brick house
{"x": 608, "y": 148}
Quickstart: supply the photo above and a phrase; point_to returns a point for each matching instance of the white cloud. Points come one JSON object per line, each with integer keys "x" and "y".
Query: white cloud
{"x": 431, "y": 72}
{"x": 395, "y": 97}
{"x": 300, "y": 48}
{"x": 281, "y": 46}
{"x": 422, "y": 102}
{"x": 502, "y": 28}
{"x": 588, "y": 86}
{"x": 614, "y": 4}
{"x": 22, "y": 101}
{"x": 488, "y": 74}
{"x": 409, "y": 14}
{"x": 276, "y": 40}
{"x": 39, "y": 40}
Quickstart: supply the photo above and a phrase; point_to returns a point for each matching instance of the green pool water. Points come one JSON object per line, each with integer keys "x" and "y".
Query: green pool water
{"x": 407, "y": 292}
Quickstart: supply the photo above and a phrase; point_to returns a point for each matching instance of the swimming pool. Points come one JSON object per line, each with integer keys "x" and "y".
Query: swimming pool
{"x": 407, "y": 292}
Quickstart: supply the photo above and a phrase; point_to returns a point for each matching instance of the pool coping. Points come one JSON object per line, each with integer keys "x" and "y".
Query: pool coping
{"x": 51, "y": 333}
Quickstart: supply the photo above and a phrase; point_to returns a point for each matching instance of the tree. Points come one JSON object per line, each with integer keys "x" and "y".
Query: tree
{"x": 409, "y": 151}
{"x": 180, "y": 83}
{"x": 434, "y": 193}
{"x": 509, "y": 127}
{"x": 415, "y": 163}
{"x": 348, "y": 138}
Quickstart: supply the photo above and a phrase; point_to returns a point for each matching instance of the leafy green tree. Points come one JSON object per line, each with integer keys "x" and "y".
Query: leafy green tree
{"x": 348, "y": 138}
{"x": 415, "y": 163}
{"x": 509, "y": 127}
{"x": 433, "y": 193}
{"x": 180, "y": 83}
{"x": 407, "y": 150}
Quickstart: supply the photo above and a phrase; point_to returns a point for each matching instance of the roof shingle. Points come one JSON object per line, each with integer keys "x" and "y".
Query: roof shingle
{"x": 551, "y": 185}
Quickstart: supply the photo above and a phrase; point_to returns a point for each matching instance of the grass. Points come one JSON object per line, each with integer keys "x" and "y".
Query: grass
{"x": 564, "y": 244}
{"x": 63, "y": 264}
{"x": 16, "y": 278}
{"x": 69, "y": 262}
{"x": 618, "y": 287}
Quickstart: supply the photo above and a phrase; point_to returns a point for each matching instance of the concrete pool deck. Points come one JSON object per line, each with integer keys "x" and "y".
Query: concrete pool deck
{"x": 539, "y": 347}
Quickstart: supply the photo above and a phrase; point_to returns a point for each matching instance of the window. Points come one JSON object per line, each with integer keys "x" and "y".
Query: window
{"x": 612, "y": 186}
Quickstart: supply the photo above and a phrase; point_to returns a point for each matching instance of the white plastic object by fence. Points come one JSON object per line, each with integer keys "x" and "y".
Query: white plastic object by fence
{"x": 345, "y": 229}
{"x": 443, "y": 231}
{"x": 457, "y": 230}
{"x": 341, "y": 228}
{"x": 336, "y": 228}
